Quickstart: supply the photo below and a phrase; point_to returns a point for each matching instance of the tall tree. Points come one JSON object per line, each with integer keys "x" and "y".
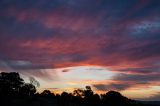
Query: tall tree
{"x": 10, "y": 83}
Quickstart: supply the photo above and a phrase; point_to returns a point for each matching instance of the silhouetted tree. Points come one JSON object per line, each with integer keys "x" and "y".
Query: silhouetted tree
{"x": 96, "y": 99}
{"x": 15, "y": 92}
{"x": 88, "y": 92}
{"x": 10, "y": 83}
{"x": 47, "y": 93}
{"x": 115, "y": 98}
{"x": 28, "y": 89}
{"x": 65, "y": 99}
{"x": 78, "y": 93}
{"x": 34, "y": 82}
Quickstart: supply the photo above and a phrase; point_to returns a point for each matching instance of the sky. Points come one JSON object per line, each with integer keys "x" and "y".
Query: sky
{"x": 68, "y": 44}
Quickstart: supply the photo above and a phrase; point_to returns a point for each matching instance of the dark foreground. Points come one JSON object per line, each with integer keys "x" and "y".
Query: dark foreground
{"x": 68, "y": 100}
{"x": 15, "y": 92}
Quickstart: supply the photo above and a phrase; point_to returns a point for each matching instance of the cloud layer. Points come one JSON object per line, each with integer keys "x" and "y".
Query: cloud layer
{"x": 121, "y": 35}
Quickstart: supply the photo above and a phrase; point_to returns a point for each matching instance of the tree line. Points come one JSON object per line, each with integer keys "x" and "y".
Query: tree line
{"x": 15, "y": 92}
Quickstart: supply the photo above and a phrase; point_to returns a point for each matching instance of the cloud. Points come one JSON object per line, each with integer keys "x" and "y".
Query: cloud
{"x": 26, "y": 68}
{"x": 62, "y": 37}
{"x": 100, "y": 87}
{"x": 52, "y": 88}
{"x": 137, "y": 77}
{"x": 41, "y": 35}
{"x": 142, "y": 70}
{"x": 155, "y": 97}
{"x": 65, "y": 70}
{"x": 17, "y": 65}
{"x": 112, "y": 86}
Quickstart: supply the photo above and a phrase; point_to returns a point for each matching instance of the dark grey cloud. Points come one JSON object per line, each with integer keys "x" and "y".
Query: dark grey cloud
{"x": 147, "y": 70}
{"x": 18, "y": 65}
{"x": 26, "y": 68}
{"x": 65, "y": 70}
{"x": 72, "y": 57}
{"x": 101, "y": 87}
{"x": 11, "y": 29}
{"x": 113, "y": 86}
{"x": 138, "y": 77}
{"x": 154, "y": 97}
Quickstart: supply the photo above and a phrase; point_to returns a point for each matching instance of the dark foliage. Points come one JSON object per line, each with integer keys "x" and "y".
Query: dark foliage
{"x": 15, "y": 92}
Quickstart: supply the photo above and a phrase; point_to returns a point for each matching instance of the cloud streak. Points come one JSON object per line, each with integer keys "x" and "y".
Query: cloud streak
{"x": 120, "y": 35}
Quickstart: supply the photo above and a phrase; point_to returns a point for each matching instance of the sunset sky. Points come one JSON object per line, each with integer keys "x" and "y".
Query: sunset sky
{"x": 68, "y": 44}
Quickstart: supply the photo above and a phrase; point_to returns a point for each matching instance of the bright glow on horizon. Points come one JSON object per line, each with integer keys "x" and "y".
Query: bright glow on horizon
{"x": 86, "y": 73}
{"x": 69, "y": 78}
{"x": 73, "y": 77}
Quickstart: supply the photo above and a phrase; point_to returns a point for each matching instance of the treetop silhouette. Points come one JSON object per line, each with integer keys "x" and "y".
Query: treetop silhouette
{"x": 15, "y": 92}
